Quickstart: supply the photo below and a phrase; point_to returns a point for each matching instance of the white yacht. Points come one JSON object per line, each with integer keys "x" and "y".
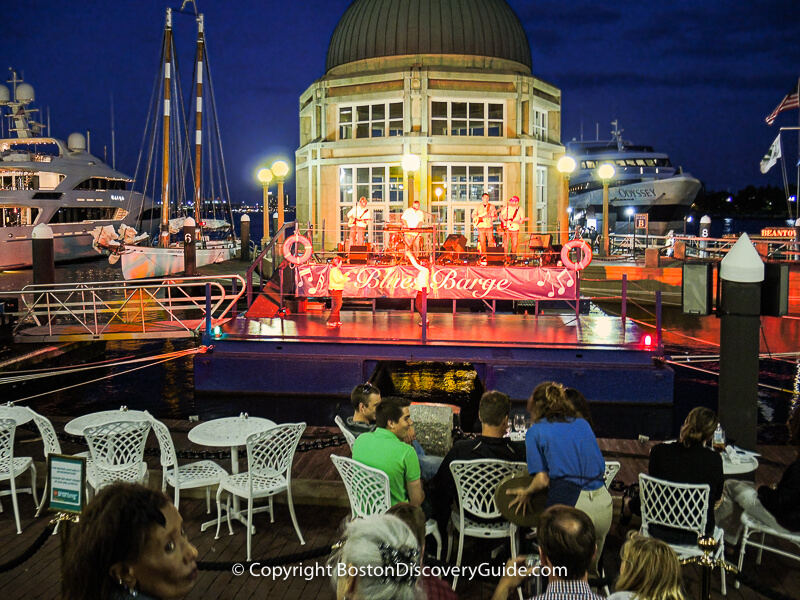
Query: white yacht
{"x": 645, "y": 181}
{"x": 44, "y": 180}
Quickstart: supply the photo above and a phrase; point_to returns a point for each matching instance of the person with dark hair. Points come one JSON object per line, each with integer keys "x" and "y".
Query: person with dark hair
{"x": 129, "y": 543}
{"x": 385, "y": 449}
{"x": 566, "y": 548}
{"x": 776, "y": 505}
{"x": 491, "y": 443}
{"x": 581, "y": 405}
{"x": 365, "y": 398}
{"x": 414, "y": 517}
{"x": 564, "y": 457}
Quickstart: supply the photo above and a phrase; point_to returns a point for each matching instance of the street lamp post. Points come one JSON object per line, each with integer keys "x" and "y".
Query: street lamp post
{"x": 280, "y": 169}
{"x": 565, "y": 166}
{"x": 606, "y": 172}
{"x": 410, "y": 164}
{"x": 265, "y": 176}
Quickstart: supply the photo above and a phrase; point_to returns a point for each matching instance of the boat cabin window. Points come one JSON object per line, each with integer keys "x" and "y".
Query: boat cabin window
{"x": 100, "y": 183}
{"x": 78, "y": 214}
{"x": 39, "y": 150}
{"x": 17, "y": 216}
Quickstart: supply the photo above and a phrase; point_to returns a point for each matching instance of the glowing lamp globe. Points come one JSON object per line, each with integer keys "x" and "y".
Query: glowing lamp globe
{"x": 264, "y": 176}
{"x": 565, "y": 165}
{"x": 606, "y": 171}
{"x": 410, "y": 162}
{"x": 438, "y": 191}
{"x": 280, "y": 169}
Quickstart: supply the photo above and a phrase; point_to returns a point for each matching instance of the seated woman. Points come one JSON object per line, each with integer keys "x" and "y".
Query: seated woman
{"x": 688, "y": 460}
{"x": 650, "y": 570}
{"x": 129, "y": 543}
{"x": 563, "y": 456}
{"x": 379, "y": 559}
{"x": 777, "y": 505}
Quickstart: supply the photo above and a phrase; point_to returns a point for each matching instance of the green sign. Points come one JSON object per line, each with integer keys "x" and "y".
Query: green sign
{"x": 66, "y": 476}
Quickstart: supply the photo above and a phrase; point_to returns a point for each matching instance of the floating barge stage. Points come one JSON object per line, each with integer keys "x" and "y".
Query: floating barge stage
{"x": 608, "y": 359}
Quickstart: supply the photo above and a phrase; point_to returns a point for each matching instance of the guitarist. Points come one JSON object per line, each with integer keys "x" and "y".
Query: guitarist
{"x": 483, "y": 220}
{"x": 357, "y": 220}
{"x": 510, "y": 220}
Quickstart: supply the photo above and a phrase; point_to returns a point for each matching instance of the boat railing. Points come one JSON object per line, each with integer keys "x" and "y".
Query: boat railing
{"x": 144, "y": 308}
{"x": 269, "y": 260}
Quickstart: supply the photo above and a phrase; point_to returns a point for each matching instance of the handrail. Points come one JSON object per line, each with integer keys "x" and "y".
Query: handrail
{"x": 95, "y": 308}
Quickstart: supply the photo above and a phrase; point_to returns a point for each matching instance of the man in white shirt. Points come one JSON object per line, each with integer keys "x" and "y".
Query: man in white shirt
{"x": 511, "y": 218}
{"x": 483, "y": 220}
{"x": 411, "y": 218}
{"x": 357, "y": 219}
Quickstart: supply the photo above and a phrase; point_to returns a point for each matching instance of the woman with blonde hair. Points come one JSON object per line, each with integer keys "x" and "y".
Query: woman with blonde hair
{"x": 650, "y": 570}
{"x": 563, "y": 456}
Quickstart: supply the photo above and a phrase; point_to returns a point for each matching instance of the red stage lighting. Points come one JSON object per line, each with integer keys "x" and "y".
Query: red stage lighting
{"x": 647, "y": 340}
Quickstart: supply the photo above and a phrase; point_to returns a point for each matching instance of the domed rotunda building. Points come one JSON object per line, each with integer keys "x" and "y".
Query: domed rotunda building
{"x": 449, "y": 81}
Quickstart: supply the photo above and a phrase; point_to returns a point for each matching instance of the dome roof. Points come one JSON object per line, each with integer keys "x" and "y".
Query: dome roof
{"x": 380, "y": 28}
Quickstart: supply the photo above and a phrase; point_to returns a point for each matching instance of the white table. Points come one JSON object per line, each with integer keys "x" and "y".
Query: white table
{"x": 78, "y": 424}
{"x": 233, "y": 432}
{"x": 747, "y": 462}
{"x": 19, "y": 414}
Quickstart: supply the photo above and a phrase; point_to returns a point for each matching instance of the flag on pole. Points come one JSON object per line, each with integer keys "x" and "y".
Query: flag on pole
{"x": 772, "y": 156}
{"x": 792, "y": 100}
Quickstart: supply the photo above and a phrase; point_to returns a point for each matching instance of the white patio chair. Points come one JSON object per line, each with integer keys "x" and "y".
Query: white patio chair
{"x": 369, "y": 493}
{"x": 11, "y": 467}
{"x": 348, "y": 435}
{"x": 204, "y": 473}
{"x": 612, "y": 468}
{"x": 269, "y": 472}
{"x": 51, "y": 446}
{"x": 680, "y": 506}
{"x": 754, "y": 526}
{"x": 117, "y": 452}
{"x": 476, "y": 482}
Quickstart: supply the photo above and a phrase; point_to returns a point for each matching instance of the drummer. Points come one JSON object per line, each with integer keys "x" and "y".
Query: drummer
{"x": 413, "y": 218}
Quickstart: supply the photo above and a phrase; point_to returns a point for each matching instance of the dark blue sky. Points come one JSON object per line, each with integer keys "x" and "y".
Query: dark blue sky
{"x": 694, "y": 79}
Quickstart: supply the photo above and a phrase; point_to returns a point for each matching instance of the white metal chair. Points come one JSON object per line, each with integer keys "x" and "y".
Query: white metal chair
{"x": 612, "y": 468}
{"x": 50, "y": 443}
{"x": 348, "y": 435}
{"x": 117, "y": 452}
{"x": 754, "y": 526}
{"x": 680, "y": 506}
{"x": 204, "y": 473}
{"x": 476, "y": 482}
{"x": 11, "y": 467}
{"x": 369, "y": 493}
{"x": 269, "y": 471}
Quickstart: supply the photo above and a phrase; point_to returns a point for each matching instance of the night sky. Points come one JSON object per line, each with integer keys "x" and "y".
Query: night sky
{"x": 694, "y": 79}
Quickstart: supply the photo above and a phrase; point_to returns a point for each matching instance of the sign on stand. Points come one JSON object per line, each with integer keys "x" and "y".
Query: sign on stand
{"x": 67, "y": 478}
{"x": 641, "y": 220}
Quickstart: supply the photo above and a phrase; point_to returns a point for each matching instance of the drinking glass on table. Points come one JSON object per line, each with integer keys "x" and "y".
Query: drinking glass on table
{"x": 520, "y": 423}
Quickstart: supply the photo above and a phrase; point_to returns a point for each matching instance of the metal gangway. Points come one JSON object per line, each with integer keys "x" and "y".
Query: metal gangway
{"x": 125, "y": 310}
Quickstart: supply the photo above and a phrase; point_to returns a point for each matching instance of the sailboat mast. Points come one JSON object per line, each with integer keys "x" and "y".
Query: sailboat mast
{"x": 163, "y": 240}
{"x": 198, "y": 138}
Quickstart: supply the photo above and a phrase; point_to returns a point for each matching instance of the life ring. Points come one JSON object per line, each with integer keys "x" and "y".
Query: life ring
{"x": 297, "y": 259}
{"x": 584, "y": 261}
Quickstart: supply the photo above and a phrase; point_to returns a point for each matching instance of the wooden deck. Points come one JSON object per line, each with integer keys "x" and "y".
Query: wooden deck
{"x": 316, "y": 483}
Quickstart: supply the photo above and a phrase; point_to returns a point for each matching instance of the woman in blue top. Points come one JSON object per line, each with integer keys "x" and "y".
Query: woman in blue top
{"x": 564, "y": 457}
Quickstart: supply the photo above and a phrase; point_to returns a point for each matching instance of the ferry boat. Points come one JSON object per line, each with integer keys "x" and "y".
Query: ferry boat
{"x": 645, "y": 181}
{"x": 44, "y": 180}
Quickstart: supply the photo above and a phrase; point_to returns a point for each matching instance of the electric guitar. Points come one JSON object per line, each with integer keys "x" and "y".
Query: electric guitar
{"x": 353, "y": 220}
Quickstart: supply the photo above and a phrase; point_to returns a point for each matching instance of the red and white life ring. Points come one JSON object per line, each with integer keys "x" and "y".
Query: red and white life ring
{"x": 297, "y": 259}
{"x": 585, "y": 259}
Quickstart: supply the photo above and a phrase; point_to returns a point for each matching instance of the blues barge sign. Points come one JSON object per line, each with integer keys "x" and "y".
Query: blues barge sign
{"x": 477, "y": 283}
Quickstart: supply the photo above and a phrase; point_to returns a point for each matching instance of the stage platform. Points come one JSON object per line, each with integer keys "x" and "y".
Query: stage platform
{"x": 298, "y": 356}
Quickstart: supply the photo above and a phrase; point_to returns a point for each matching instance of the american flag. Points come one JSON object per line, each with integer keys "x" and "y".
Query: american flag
{"x": 792, "y": 100}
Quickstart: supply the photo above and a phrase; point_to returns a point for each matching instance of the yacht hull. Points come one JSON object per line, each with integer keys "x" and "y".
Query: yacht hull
{"x": 142, "y": 262}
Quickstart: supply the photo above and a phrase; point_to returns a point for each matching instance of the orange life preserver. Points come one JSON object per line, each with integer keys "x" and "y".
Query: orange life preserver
{"x": 585, "y": 260}
{"x": 298, "y": 259}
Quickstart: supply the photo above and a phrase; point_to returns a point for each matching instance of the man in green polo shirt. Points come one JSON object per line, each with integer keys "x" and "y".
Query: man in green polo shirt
{"x": 385, "y": 449}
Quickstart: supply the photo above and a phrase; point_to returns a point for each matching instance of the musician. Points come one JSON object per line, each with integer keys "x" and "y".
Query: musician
{"x": 357, "y": 220}
{"x": 413, "y": 218}
{"x": 510, "y": 220}
{"x": 483, "y": 219}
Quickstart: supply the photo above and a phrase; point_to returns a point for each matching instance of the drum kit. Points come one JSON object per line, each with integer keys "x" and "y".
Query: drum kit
{"x": 394, "y": 240}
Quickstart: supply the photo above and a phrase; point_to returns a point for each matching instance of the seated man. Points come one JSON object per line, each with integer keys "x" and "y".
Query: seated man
{"x": 493, "y": 414}
{"x": 365, "y": 398}
{"x": 566, "y": 547}
{"x": 775, "y": 506}
{"x": 385, "y": 449}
